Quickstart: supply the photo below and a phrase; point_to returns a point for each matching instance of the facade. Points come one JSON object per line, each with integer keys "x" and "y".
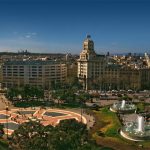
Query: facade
{"x": 34, "y": 72}
{"x": 90, "y": 65}
{"x": 102, "y": 73}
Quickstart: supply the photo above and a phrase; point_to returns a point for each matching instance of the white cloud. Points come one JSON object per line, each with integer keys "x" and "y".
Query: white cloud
{"x": 24, "y": 35}
{"x": 28, "y": 36}
{"x": 34, "y": 33}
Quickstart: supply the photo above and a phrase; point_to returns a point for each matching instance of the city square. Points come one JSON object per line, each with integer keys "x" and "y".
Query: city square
{"x": 14, "y": 117}
{"x": 74, "y": 75}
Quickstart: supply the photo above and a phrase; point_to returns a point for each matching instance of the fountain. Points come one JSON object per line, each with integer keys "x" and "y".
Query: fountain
{"x": 136, "y": 131}
{"x": 140, "y": 122}
{"x": 123, "y": 104}
{"x": 123, "y": 107}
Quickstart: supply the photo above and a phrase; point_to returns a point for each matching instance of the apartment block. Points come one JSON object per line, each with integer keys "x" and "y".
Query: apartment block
{"x": 33, "y": 72}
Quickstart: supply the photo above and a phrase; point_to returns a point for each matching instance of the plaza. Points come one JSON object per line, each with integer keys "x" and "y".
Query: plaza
{"x": 11, "y": 119}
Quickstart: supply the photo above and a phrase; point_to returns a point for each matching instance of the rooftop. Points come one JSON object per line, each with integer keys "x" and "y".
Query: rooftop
{"x": 32, "y": 62}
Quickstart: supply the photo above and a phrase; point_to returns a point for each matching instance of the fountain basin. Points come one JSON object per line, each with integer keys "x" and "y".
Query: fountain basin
{"x": 136, "y": 131}
{"x": 133, "y": 136}
{"x": 123, "y": 107}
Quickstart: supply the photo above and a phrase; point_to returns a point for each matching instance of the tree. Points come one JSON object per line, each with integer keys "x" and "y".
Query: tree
{"x": 1, "y": 130}
{"x": 27, "y": 92}
{"x": 68, "y": 135}
{"x": 67, "y": 96}
{"x": 30, "y": 136}
{"x": 12, "y": 92}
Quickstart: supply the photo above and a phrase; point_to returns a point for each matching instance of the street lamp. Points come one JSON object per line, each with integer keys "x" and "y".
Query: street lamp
{"x": 81, "y": 112}
{"x": 7, "y": 119}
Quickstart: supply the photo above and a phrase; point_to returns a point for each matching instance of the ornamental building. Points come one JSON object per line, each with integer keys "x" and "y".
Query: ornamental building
{"x": 105, "y": 73}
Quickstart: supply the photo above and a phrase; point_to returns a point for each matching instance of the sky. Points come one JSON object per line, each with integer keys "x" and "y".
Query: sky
{"x": 60, "y": 26}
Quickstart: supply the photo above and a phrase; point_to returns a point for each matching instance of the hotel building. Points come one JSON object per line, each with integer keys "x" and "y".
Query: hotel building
{"x": 33, "y": 72}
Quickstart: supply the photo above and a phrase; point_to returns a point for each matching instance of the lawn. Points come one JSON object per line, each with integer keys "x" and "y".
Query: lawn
{"x": 106, "y": 132}
{"x": 112, "y": 124}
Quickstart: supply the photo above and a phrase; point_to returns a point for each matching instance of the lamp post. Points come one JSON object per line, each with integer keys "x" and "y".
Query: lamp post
{"x": 81, "y": 112}
{"x": 7, "y": 119}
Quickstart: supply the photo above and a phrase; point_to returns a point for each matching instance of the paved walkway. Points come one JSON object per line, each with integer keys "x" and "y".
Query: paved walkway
{"x": 45, "y": 116}
{"x": 90, "y": 119}
{"x": 4, "y": 102}
{"x": 129, "y": 117}
{"x": 103, "y": 102}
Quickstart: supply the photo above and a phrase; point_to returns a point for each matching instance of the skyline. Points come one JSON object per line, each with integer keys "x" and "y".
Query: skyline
{"x": 61, "y": 26}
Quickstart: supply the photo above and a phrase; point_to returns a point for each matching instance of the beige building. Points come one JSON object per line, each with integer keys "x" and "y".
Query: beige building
{"x": 37, "y": 73}
{"x": 90, "y": 65}
{"x": 95, "y": 72}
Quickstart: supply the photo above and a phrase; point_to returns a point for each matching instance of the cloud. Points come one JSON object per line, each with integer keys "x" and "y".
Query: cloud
{"x": 30, "y": 35}
{"x": 34, "y": 33}
{"x": 27, "y": 36}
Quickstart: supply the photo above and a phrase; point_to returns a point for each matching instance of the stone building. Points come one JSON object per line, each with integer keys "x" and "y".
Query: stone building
{"x": 90, "y": 65}
{"x": 33, "y": 72}
{"x": 96, "y": 72}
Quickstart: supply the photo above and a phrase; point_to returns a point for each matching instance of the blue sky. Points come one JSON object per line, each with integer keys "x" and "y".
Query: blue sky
{"x": 62, "y": 25}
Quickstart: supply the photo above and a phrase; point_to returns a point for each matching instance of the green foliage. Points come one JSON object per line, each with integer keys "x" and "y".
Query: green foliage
{"x": 112, "y": 132}
{"x": 70, "y": 96}
{"x": 89, "y": 146}
{"x": 83, "y": 97}
{"x": 68, "y": 135}
{"x": 110, "y": 123}
{"x": 13, "y": 92}
{"x": 71, "y": 83}
{"x": 73, "y": 125}
{"x": 140, "y": 107}
{"x": 25, "y": 104}
{"x": 71, "y": 105}
{"x": 106, "y": 148}
{"x": 125, "y": 97}
{"x": 3, "y": 145}
{"x": 107, "y": 112}
{"x": 71, "y": 135}
{"x": 30, "y": 136}
{"x": 26, "y": 92}
{"x": 1, "y": 130}
{"x": 65, "y": 95}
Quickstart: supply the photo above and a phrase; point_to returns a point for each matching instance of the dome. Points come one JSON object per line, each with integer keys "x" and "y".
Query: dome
{"x": 88, "y": 39}
{"x": 88, "y": 43}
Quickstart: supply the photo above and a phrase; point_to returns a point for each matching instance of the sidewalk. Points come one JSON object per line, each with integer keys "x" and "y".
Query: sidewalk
{"x": 4, "y": 102}
{"x": 90, "y": 119}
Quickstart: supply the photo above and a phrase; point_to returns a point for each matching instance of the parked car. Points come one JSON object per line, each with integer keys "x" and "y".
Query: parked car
{"x": 95, "y": 106}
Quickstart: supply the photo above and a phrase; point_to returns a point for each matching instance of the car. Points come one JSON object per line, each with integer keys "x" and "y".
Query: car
{"x": 95, "y": 106}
